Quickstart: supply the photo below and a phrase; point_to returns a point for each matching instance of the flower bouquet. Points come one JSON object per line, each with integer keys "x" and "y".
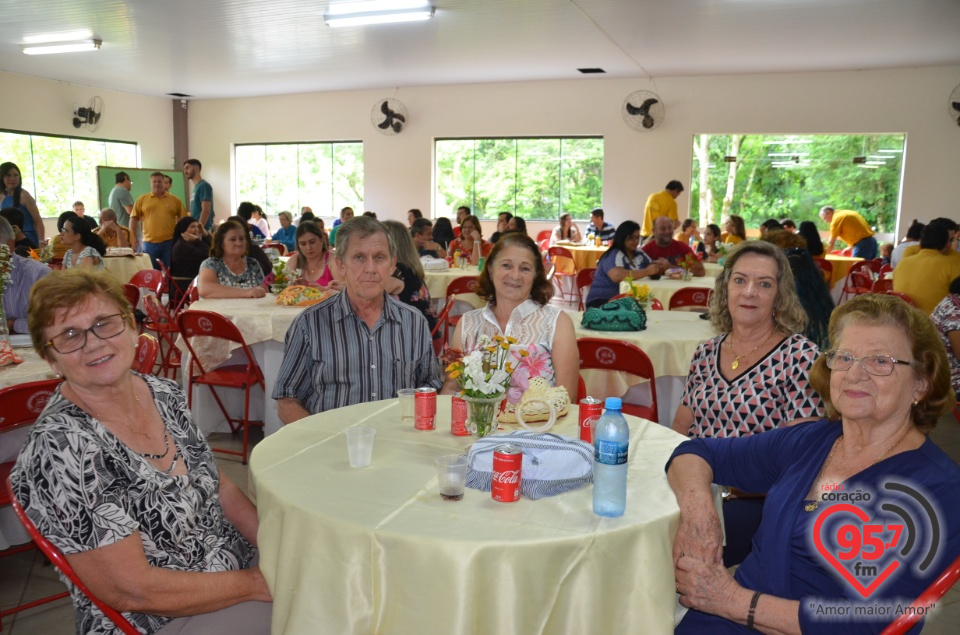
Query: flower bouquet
{"x": 281, "y": 277}
{"x": 483, "y": 375}
{"x": 687, "y": 263}
{"x": 640, "y": 292}
{"x": 6, "y": 266}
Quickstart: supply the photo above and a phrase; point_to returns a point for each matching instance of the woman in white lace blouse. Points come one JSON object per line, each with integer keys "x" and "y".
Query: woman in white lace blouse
{"x": 515, "y": 286}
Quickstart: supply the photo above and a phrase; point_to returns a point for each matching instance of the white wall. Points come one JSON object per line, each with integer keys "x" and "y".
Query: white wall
{"x": 44, "y": 106}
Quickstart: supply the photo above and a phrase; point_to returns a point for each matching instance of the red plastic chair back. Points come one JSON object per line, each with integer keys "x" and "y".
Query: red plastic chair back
{"x": 937, "y": 589}
{"x": 191, "y": 295}
{"x": 208, "y": 324}
{"x": 148, "y": 279}
{"x": 280, "y": 247}
{"x": 132, "y": 293}
{"x": 463, "y": 284}
{"x": 60, "y": 562}
{"x": 21, "y": 404}
{"x": 147, "y": 349}
{"x": 691, "y": 298}
{"x": 544, "y": 245}
{"x": 885, "y": 269}
{"x": 882, "y": 285}
{"x": 164, "y": 325}
{"x": 656, "y": 305}
{"x": 562, "y": 252}
{"x": 613, "y": 355}
{"x": 584, "y": 280}
{"x": 903, "y": 296}
{"x": 826, "y": 266}
{"x": 544, "y": 235}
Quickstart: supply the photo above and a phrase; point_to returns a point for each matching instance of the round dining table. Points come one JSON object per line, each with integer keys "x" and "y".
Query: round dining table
{"x": 124, "y": 267}
{"x": 376, "y": 550}
{"x": 437, "y": 280}
{"x": 664, "y": 288}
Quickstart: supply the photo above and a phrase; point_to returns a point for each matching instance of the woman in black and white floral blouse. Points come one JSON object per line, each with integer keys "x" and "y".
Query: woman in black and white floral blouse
{"x": 117, "y": 475}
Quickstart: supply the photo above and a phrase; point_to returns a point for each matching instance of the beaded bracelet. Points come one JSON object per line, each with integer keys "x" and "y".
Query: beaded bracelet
{"x": 753, "y": 608}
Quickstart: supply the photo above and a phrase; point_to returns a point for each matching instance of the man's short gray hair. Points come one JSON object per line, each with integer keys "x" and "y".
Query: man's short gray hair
{"x": 362, "y": 227}
{"x": 6, "y": 232}
{"x": 108, "y": 213}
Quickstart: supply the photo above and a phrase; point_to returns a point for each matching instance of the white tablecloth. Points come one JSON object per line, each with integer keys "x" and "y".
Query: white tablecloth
{"x": 376, "y": 550}
{"x": 124, "y": 267}
{"x": 664, "y": 288}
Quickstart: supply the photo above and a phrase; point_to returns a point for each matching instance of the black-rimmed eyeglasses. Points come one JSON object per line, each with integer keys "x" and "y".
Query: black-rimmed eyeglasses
{"x": 74, "y": 339}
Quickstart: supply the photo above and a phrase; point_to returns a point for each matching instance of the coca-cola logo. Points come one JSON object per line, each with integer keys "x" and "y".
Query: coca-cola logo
{"x": 507, "y": 476}
{"x": 606, "y": 356}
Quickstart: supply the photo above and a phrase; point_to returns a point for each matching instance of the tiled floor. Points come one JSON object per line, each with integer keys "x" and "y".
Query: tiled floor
{"x": 26, "y": 576}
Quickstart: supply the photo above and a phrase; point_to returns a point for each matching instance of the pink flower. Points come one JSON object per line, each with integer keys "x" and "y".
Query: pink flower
{"x": 537, "y": 364}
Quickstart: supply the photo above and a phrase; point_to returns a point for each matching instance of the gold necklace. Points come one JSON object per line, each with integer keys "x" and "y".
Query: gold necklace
{"x": 736, "y": 358}
{"x": 812, "y": 505}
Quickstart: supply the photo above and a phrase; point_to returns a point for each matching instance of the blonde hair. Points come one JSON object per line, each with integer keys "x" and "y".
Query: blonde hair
{"x": 406, "y": 249}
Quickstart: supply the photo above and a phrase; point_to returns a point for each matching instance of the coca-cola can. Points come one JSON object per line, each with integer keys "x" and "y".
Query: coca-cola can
{"x": 425, "y": 409}
{"x": 507, "y": 464}
{"x": 458, "y": 417}
{"x": 590, "y": 408}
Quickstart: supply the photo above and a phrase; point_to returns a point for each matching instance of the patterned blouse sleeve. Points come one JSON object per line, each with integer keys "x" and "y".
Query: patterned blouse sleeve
{"x": 693, "y": 377}
{"x": 802, "y": 400}
{"x": 256, "y": 272}
{"x": 76, "y": 490}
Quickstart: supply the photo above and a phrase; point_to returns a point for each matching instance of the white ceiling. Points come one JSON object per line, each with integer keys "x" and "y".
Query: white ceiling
{"x": 232, "y": 48}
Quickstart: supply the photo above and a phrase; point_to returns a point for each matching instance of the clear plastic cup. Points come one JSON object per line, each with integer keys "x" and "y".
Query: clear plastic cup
{"x": 360, "y": 445}
{"x": 452, "y": 476}
{"x": 407, "y": 403}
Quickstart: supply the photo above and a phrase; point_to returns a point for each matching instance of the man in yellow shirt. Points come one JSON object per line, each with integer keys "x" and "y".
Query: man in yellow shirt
{"x": 159, "y": 211}
{"x": 926, "y": 276}
{"x": 849, "y": 226}
{"x": 661, "y": 204}
{"x": 954, "y": 231}
{"x": 111, "y": 232}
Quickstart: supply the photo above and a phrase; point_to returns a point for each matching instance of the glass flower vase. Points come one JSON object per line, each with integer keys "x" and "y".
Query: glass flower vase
{"x": 687, "y": 276}
{"x": 482, "y": 414}
{"x": 4, "y": 331}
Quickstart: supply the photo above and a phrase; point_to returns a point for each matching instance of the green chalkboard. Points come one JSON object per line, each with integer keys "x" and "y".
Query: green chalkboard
{"x": 107, "y": 179}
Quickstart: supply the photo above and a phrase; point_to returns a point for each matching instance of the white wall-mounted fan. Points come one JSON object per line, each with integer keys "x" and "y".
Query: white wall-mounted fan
{"x": 89, "y": 116}
{"x": 389, "y": 116}
{"x": 643, "y": 110}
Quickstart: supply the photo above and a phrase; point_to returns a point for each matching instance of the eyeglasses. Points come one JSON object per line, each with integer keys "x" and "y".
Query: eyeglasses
{"x": 881, "y": 365}
{"x": 74, "y": 339}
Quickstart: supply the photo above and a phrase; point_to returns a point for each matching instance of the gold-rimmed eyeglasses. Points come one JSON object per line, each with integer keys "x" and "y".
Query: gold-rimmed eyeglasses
{"x": 74, "y": 339}
{"x": 880, "y": 365}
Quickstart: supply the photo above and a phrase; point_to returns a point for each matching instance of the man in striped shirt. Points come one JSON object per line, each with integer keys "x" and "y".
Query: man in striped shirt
{"x": 23, "y": 273}
{"x": 360, "y": 345}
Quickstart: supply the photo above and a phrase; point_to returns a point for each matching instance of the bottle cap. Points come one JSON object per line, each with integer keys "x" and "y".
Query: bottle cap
{"x": 613, "y": 403}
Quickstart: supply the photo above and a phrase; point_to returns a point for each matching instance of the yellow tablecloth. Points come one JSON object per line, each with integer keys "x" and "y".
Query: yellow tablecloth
{"x": 586, "y": 256}
{"x": 376, "y": 550}
{"x": 841, "y": 267}
{"x": 664, "y": 288}
{"x": 124, "y": 267}
{"x": 437, "y": 281}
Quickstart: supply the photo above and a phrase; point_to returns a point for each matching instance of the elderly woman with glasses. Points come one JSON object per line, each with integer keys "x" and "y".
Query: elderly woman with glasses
{"x": 117, "y": 475}
{"x": 838, "y": 490}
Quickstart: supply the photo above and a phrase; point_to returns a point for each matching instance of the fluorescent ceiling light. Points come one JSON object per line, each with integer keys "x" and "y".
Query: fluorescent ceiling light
{"x": 61, "y": 47}
{"x": 378, "y": 12}
{"x": 46, "y": 38}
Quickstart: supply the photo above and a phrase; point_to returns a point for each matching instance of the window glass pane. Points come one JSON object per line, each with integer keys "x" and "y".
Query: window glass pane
{"x": 281, "y": 168}
{"x": 54, "y": 175}
{"x": 537, "y": 179}
{"x": 348, "y": 176}
{"x": 122, "y": 154}
{"x": 251, "y": 173}
{"x": 87, "y": 155}
{"x": 315, "y": 170}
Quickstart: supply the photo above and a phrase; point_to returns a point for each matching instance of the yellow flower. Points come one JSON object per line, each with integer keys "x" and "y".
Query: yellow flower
{"x": 491, "y": 348}
{"x": 497, "y": 338}
{"x": 505, "y": 345}
{"x": 508, "y": 367}
{"x": 454, "y": 374}
{"x": 454, "y": 366}
{"x": 524, "y": 353}
{"x": 512, "y": 340}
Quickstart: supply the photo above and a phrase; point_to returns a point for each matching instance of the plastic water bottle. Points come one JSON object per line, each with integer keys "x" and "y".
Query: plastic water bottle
{"x": 611, "y": 442}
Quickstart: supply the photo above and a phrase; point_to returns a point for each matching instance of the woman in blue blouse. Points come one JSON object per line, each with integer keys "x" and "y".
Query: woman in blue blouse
{"x": 15, "y": 196}
{"x": 885, "y": 385}
{"x": 287, "y": 234}
{"x": 624, "y": 258}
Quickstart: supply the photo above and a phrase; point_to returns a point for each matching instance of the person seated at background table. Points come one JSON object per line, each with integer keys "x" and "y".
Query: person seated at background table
{"x": 946, "y": 317}
{"x": 22, "y": 243}
{"x": 471, "y": 244}
{"x": 287, "y": 234}
{"x": 81, "y": 210}
{"x": 664, "y": 247}
{"x": 24, "y": 272}
{"x": 84, "y": 248}
{"x": 734, "y": 230}
{"x": 926, "y": 276}
{"x": 623, "y": 258}
{"x": 567, "y": 230}
{"x": 600, "y": 227}
{"x": 886, "y": 253}
{"x": 515, "y": 287}
{"x": 789, "y": 225}
{"x": 884, "y": 385}
{"x": 407, "y": 282}
{"x": 117, "y": 475}
{"x": 312, "y": 258}
{"x": 517, "y": 224}
{"x": 503, "y": 219}
{"x": 245, "y": 210}
{"x": 753, "y": 377}
{"x": 708, "y": 249}
{"x": 953, "y": 230}
{"x": 443, "y": 233}
{"x": 360, "y": 345}
{"x": 421, "y": 232}
{"x": 462, "y": 212}
{"x": 259, "y": 220}
{"x": 812, "y": 289}
{"x": 413, "y": 215}
{"x": 850, "y": 227}
{"x": 912, "y": 238}
{"x": 811, "y": 235}
{"x": 191, "y": 246}
{"x": 770, "y": 224}
{"x": 111, "y": 232}
{"x": 346, "y": 214}
{"x": 254, "y": 250}
{"x": 59, "y": 249}
{"x": 306, "y": 214}
{"x": 229, "y": 272}
{"x": 688, "y": 232}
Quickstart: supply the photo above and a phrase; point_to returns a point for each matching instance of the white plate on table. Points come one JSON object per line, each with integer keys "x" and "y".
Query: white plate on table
{"x": 20, "y": 340}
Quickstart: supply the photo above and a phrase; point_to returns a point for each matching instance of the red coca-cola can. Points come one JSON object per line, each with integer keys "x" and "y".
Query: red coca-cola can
{"x": 590, "y": 408}
{"x": 425, "y": 409}
{"x": 507, "y": 464}
{"x": 458, "y": 417}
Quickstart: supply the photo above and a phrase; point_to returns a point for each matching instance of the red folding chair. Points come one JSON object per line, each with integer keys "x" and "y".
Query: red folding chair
{"x": 60, "y": 562}
{"x": 655, "y": 304}
{"x": 146, "y": 357}
{"x": 237, "y": 376}
{"x": 937, "y": 589}
{"x": 544, "y": 235}
{"x": 904, "y": 297}
{"x": 167, "y": 283}
{"x": 164, "y": 325}
{"x": 21, "y": 405}
{"x": 189, "y": 296}
{"x": 148, "y": 281}
{"x": 859, "y": 279}
{"x": 826, "y": 267}
{"x": 457, "y": 286}
{"x": 614, "y": 355}
{"x": 132, "y": 293}
{"x": 584, "y": 280}
{"x": 560, "y": 274}
{"x": 691, "y": 298}
{"x": 882, "y": 285}
{"x": 280, "y": 247}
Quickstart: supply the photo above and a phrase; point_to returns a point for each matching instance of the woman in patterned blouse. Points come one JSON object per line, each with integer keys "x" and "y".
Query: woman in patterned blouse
{"x": 754, "y": 375}
{"x": 229, "y": 272}
{"x": 117, "y": 475}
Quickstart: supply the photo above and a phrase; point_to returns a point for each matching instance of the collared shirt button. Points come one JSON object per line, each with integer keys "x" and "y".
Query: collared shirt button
{"x": 373, "y": 366}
